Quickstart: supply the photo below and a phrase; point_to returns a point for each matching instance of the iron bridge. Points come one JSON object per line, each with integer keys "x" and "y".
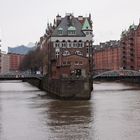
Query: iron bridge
{"x": 117, "y": 75}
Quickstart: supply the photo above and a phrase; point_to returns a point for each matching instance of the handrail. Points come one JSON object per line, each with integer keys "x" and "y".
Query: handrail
{"x": 117, "y": 73}
{"x": 22, "y": 76}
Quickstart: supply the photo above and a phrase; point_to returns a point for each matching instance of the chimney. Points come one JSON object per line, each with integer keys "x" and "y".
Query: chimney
{"x": 89, "y": 16}
{"x": 80, "y": 18}
{"x": 58, "y": 19}
{"x": 54, "y": 23}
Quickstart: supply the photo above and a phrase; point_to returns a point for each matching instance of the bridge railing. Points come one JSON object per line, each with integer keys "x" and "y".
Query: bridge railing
{"x": 22, "y": 76}
{"x": 118, "y": 73}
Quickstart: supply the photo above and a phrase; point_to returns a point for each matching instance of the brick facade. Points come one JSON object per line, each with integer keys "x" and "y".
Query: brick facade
{"x": 107, "y": 56}
{"x": 68, "y": 47}
{"x": 116, "y": 55}
{"x": 15, "y": 61}
{"x": 4, "y": 63}
{"x": 130, "y": 48}
{"x": 137, "y": 40}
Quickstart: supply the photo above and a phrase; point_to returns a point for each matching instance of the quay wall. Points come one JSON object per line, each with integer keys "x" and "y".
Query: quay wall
{"x": 65, "y": 88}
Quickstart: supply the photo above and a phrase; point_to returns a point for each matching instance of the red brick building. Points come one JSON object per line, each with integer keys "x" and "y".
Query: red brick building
{"x": 123, "y": 54}
{"x": 15, "y": 61}
{"x": 130, "y": 48}
{"x": 68, "y": 46}
{"x": 107, "y": 56}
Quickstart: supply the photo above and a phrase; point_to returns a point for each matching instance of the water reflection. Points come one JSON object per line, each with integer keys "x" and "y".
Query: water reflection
{"x": 69, "y": 119}
{"x": 27, "y": 113}
{"x": 64, "y": 120}
{"x": 0, "y": 122}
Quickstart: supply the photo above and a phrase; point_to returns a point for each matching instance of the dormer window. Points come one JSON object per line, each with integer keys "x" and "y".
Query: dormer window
{"x": 60, "y": 31}
{"x": 71, "y": 30}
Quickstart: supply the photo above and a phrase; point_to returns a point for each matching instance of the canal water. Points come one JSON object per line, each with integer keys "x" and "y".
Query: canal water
{"x": 26, "y": 113}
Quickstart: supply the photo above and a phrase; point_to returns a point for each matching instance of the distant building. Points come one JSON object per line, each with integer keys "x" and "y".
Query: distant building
{"x": 68, "y": 44}
{"x": 15, "y": 61}
{"x": 10, "y": 62}
{"x": 20, "y": 49}
{"x": 107, "y": 56}
{"x": 4, "y": 63}
{"x": 123, "y": 54}
{"x": 130, "y": 48}
{"x": 16, "y": 56}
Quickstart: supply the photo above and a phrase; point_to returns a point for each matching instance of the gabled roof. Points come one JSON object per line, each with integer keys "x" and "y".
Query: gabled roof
{"x": 86, "y": 25}
{"x": 66, "y": 23}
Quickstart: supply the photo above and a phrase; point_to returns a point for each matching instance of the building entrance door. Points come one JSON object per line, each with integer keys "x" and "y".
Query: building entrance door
{"x": 78, "y": 72}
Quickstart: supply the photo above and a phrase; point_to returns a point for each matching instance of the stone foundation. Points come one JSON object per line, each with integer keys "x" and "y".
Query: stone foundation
{"x": 65, "y": 88}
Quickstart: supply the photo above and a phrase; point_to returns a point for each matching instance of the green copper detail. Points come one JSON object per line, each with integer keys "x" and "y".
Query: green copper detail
{"x": 86, "y": 25}
{"x": 71, "y": 28}
{"x": 60, "y": 29}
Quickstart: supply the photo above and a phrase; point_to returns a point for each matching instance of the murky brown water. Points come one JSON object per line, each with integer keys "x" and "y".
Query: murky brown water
{"x": 113, "y": 113}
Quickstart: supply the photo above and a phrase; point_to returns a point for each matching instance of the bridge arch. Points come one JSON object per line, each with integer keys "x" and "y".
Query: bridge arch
{"x": 118, "y": 73}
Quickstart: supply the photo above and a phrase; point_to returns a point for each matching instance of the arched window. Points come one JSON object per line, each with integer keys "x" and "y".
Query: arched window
{"x": 57, "y": 44}
{"x": 87, "y": 43}
{"x": 69, "y": 44}
{"x": 80, "y": 44}
{"x": 57, "y": 54}
{"x": 75, "y": 43}
{"x": 64, "y": 44}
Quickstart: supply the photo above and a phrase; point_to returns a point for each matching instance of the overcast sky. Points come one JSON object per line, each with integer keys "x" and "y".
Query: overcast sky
{"x": 24, "y": 21}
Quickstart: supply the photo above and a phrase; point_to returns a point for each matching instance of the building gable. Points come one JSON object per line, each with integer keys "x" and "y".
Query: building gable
{"x": 69, "y": 22}
{"x": 86, "y": 25}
